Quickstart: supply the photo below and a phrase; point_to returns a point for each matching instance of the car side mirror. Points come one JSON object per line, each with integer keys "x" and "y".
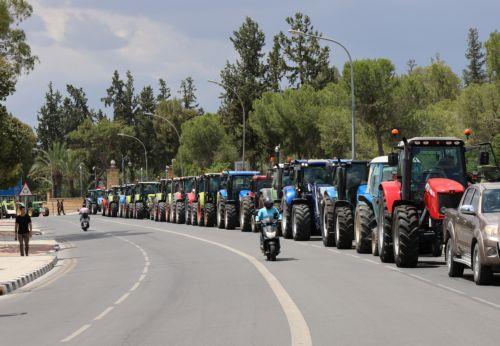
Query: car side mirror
{"x": 393, "y": 159}
{"x": 484, "y": 158}
{"x": 467, "y": 209}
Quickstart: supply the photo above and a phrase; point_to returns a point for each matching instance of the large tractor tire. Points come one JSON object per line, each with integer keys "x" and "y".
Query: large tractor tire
{"x": 384, "y": 235}
{"x": 230, "y": 216}
{"x": 139, "y": 210}
{"x": 194, "y": 214}
{"x": 162, "y": 215}
{"x": 405, "y": 236}
{"x": 286, "y": 222}
{"x": 172, "y": 213}
{"x": 180, "y": 213}
{"x": 255, "y": 226}
{"x": 247, "y": 208}
{"x": 188, "y": 213}
{"x": 344, "y": 227}
{"x": 94, "y": 208}
{"x": 114, "y": 210}
{"x": 301, "y": 222}
{"x": 200, "y": 217}
{"x": 220, "y": 215}
{"x": 363, "y": 224}
{"x": 327, "y": 224}
{"x": 209, "y": 215}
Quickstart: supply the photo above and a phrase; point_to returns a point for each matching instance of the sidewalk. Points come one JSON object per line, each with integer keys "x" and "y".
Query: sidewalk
{"x": 17, "y": 271}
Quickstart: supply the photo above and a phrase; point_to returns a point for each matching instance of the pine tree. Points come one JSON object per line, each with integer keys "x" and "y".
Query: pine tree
{"x": 75, "y": 108}
{"x": 474, "y": 73}
{"x": 164, "y": 93}
{"x": 50, "y": 119}
{"x": 187, "y": 91}
{"x": 120, "y": 96}
{"x": 276, "y": 66}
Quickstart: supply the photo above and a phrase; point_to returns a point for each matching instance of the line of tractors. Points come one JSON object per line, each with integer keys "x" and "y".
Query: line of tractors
{"x": 368, "y": 203}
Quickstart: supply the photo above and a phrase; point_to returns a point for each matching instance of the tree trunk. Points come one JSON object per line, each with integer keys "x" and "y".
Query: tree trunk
{"x": 380, "y": 146}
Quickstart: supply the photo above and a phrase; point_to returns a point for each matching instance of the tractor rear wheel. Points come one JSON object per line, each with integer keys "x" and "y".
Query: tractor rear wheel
{"x": 139, "y": 210}
{"x": 247, "y": 208}
{"x": 180, "y": 214}
{"x": 161, "y": 211}
{"x": 114, "y": 210}
{"x": 94, "y": 208}
{"x": 209, "y": 215}
{"x": 384, "y": 235}
{"x": 301, "y": 222}
{"x": 194, "y": 214}
{"x": 405, "y": 236}
{"x": 363, "y": 225}
{"x": 231, "y": 217}
{"x": 344, "y": 227}
{"x": 220, "y": 216}
{"x": 286, "y": 222}
{"x": 327, "y": 224}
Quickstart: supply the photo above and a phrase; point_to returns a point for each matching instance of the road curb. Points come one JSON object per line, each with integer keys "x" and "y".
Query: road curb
{"x": 12, "y": 285}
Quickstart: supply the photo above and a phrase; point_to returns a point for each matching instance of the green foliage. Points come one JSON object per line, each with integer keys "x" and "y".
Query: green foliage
{"x": 474, "y": 73}
{"x": 492, "y": 46}
{"x": 16, "y": 142}
{"x": 188, "y": 93}
{"x": 121, "y": 96}
{"x": 50, "y": 120}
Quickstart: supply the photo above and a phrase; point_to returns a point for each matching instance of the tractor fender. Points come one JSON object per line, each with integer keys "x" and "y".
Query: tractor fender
{"x": 366, "y": 199}
{"x": 392, "y": 193}
{"x": 191, "y": 197}
{"x": 331, "y": 192}
{"x": 362, "y": 192}
{"x": 99, "y": 200}
{"x": 299, "y": 201}
{"x": 223, "y": 193}
{"x": 245, "y": 193}
{"x": 342, "y": 203}
{"x": 289, "y": 194}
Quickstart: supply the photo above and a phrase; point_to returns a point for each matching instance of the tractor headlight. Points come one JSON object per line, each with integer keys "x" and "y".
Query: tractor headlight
{"x": 491, "y": 230}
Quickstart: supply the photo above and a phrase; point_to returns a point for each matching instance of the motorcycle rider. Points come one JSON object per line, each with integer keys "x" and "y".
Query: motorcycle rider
{"x": 84, "y": 212}
{"x": 268, "y": 211}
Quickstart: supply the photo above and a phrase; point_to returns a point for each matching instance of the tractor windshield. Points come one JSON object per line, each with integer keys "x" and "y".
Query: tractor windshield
{"x": 317, "y": 175}
{"x": 214, "y": 184}
{"x": 357, "y": 174}
{"x": 491, "y": 201}
{"x": 149, "y": 189}
{"x": 436, "y": 162}
{"x": 99, "y": 193}
{"x": 188, "y": 185}
{"x": 262, "y": 184}
{"x": 241, "y": 182}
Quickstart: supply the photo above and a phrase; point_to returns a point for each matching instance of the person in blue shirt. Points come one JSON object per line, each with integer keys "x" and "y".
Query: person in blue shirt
{"x": 269, "y": 211}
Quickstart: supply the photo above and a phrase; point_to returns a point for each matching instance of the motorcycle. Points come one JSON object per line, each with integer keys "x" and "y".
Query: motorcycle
{"x": 85, "y": 222}
{"x": 270, "y": 241}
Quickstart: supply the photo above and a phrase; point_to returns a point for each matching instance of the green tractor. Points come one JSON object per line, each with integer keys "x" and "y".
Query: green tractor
{"x": 144, "y": 193}
{"x": 9, "y": 208}
{"x": 129, "y": 201}
{"x": 159, "y": 210}
{"x": 204, "y": 208}
{"x": 38, "y": 209}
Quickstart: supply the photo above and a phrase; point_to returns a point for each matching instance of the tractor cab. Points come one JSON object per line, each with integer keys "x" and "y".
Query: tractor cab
{"x": 482, "y": 165}
{"x": 431, "y": 175}
{"x": 348, "y": 177}
{"x": 208, "y": 185}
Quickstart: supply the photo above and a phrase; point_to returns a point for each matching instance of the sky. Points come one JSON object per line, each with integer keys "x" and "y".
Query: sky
{"x": 81, "y": 42}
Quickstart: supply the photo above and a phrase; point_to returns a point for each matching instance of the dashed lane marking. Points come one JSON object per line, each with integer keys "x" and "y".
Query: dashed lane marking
{"x": 486, "y": 302}
{"x": 104, "y": 313}
{"x": 371, "y": 261}
{"x": 451, "y": 289}
{"x": 135, "y": 286}
{"x": 76, "y": 333}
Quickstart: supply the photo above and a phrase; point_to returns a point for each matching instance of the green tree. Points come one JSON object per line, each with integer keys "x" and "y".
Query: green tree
{"x": 307, "y": 61}
{"x": 51, "y": 127}
{"x": 474, "y": 73}
{"x": 492, "y": 46}
{"x": 188, "y": 93}
{"x": 164, "y": 92}
{"x": 121, "y": 96}
{"x": 17, "y": 141}
{"x": 74, "y": 109}
{"x": 375, "y": 83}
{"x": 276, "y": 66}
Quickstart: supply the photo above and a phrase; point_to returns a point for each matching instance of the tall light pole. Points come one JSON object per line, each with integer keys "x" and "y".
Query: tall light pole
{"x": 176, "y": 131}
{"x": 145, "y": 151}
{"x": 353, "y": 128}
{"x": 81, "y": 180}
{"x": 244, "y": 115}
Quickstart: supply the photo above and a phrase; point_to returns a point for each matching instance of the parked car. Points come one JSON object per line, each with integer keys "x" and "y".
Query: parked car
{"x": 471, "y": 233}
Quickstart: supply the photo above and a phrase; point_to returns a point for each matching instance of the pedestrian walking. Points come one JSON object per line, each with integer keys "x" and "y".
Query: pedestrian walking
{"x": 23, "y": 230}
{"x": 58, "y": 208}
{"x": 62, "y": 207}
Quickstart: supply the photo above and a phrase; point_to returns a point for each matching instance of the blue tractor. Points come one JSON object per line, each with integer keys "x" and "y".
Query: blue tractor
{"x": 301, "y": 200}
{"x": 234, "y": 185}
{"x": 339, "y": 201}
{"x": 369, "y": 204}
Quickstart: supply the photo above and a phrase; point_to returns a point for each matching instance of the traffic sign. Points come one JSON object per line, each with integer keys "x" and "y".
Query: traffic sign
{"x": 25, "y": 191}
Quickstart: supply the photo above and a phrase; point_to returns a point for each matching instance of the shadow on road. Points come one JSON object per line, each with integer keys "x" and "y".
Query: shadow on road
{"x": 494, "y": 282}
{"x": 285, "y": 259}
{"x": 92, "y": 235}
{"x": 430, "y": 264}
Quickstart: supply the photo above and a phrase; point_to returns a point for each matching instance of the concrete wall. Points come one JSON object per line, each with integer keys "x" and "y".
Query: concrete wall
{"x": 71, "y": 205}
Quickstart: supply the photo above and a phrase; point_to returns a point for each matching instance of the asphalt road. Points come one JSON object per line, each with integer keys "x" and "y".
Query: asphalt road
{"x": 139, "y": 282}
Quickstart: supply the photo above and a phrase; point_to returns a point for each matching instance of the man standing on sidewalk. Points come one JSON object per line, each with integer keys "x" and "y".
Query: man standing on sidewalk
{"x": 23, "y": 230}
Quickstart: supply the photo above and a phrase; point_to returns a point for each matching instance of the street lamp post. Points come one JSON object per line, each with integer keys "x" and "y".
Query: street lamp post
{"x": 81, "y": 180}
{"x": 130, "y": 171}
{"x": 244, "y": 115}
{"x": 176, "y": 131}
{"x": 353, "y": 128}
{"x": 123, "y": 168}
{"x": 145, "y": 151}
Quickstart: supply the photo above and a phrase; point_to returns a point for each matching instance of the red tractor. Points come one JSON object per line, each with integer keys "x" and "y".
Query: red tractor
{"x": 431, "y": 175}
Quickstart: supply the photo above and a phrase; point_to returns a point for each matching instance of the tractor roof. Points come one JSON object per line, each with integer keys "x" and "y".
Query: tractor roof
{"x": 314, "y": 162}
{"x": 211, "y": 174}
{"x": 350, "y": 161}
{"x": 147, "y": 182}
{"x": 380, "y": 159}
{"x": 242, "y": 172}
{"x": 434, "y": 141}
{"x": 261, "y": 177}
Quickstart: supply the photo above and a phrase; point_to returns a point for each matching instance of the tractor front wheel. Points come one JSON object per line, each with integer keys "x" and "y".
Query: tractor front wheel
{"x": 301, "y": 222}
{"x": 327, "y": 224}
{"x": 344, "y": 227}
{"x": 220, "y": 216}
{"x": 209, "y": 215}
{"x": 231, "y": 217}
{"x": 180, "y": 214}
{"x": 194, "y": 214}
{"x": 139, "y": 207}
{"x": 188, "y": 213}
{"x": 247, "y": 208}
{"x": 384, "y": 235}
{"x": 405, "y": 236}
{"x": 161, "y": 211}
{"x": 363, "y": 225}
{"x": 286, "y": 222}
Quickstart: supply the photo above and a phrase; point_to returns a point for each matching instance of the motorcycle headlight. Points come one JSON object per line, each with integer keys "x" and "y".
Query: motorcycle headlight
{"x": 270, "y": 235}
{"x": 491, "y": 230}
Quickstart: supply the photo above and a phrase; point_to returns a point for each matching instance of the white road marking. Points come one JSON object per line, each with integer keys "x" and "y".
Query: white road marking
{"x": 486, "y": 302}
{"x": 76, "y": 333}
{"x": 419, "y": 278}
{"x": 371, "y": 261}
{"x": 122, "y": 298}
{"x": 145, "y": 270}
{"x": 299, "y": 330}
{"x": 395, "y": 269}
{"x": 355, "y": 256}
{"x": 135, "y": 286}
{"x": 336, "y": 251}
{"x": 147, "y": 264}
{"x": 104, "y": 313}
{"x": 142, "y": 277}
{"x": 321, "y": 247}
{"x": 451, "y": 289}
